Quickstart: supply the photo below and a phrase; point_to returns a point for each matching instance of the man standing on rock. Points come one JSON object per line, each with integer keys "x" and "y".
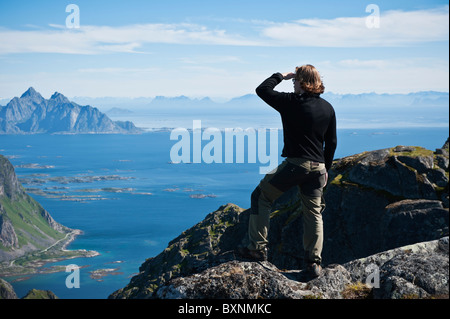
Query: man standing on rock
{"x": 309, "y": 131}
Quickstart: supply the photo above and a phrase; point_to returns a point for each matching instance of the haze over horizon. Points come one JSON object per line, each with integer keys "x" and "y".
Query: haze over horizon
{"x": 372, "y": 110}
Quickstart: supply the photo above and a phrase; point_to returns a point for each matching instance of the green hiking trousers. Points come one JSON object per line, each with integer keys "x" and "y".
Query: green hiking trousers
{"x": 310, "y": 179}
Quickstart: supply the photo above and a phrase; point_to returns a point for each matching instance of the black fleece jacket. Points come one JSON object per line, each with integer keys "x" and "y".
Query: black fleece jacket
{"x": 309, "y": 122}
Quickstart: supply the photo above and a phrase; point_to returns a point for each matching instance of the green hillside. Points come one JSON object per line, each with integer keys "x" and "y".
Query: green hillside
{"x": 25, "y": 226}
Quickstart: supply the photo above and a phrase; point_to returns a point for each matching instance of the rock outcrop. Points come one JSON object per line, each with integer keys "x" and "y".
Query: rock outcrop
{"x": 7, "y": 292}
{"x": 31, "y": 113}
{"x": 385, "y": 199}
{"x": 235, "y": 280}
{"x": 25, "y": 226}
{"x": 376, "y": 202}
{"x": 414, "y": 271}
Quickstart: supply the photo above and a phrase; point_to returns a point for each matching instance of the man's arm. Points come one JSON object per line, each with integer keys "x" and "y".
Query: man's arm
{"x": 330, "y": 143}
{"x": 267, "y": 93}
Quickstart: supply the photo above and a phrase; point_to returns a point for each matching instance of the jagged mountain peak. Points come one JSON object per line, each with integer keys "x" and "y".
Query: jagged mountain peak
{"x": 59, "y": 98}
{"x": 31, "y": 113}
{"x": 31, "y": 93}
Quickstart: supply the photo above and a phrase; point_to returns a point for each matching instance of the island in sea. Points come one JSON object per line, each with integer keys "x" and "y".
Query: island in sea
{"x": 31, "y": 113}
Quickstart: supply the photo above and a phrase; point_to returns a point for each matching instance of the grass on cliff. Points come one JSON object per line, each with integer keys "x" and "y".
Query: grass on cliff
{"x": 26, "y": 216}
{"x": 40, "y": 294}
{"x": 415, "y": 152}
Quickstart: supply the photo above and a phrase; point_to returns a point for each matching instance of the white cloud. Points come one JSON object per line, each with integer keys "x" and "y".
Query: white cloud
{"x": 397, "y": 28}
{"x": 229, "y": 72}
{"x": 104, "y": 39}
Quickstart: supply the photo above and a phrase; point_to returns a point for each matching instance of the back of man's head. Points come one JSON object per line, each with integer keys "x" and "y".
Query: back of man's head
{"x": 309, "y": 79}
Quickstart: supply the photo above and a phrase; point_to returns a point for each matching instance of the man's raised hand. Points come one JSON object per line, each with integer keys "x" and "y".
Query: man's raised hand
{"x": 288, "y": 75}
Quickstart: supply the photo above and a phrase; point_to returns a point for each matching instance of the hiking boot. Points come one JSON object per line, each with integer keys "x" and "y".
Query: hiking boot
{"x": 314, "y": 269}
{"x": 253, "y": 255}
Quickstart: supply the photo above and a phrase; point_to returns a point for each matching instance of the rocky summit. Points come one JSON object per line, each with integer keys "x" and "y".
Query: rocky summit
{"x": 386, "y": 236}
{"x": 31, "y": 113}
{"x": 414, "y": 271}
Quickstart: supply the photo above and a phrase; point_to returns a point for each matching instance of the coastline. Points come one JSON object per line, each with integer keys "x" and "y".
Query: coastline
{"x": 33, "y": 263}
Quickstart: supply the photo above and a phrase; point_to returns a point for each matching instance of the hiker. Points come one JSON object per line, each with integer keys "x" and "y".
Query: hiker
{"x": 309, "y": 131}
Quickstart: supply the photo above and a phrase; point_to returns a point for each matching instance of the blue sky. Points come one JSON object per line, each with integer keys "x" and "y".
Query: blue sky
{"x": 220, "y": 49}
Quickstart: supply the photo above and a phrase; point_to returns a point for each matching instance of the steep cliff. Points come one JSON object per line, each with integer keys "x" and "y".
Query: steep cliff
{"x": 376, "y": 202}
{"x": 24, "y": 225}
{"x": 31, "y": 113}
{"x": 6, "y": 290}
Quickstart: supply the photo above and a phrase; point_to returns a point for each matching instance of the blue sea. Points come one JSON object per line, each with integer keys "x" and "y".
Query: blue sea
{"x": 130, "y": 200}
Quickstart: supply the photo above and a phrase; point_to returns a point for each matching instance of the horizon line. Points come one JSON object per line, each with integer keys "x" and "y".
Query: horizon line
{"x": 222, "y": 98}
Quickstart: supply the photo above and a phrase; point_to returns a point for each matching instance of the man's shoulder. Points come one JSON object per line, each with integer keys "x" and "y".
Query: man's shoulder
{"x": 325, "y": 102}
{"x": 310, "y": 99}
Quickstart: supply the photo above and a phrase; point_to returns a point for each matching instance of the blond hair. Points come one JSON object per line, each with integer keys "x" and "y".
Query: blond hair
{"x": 309, "y": 78}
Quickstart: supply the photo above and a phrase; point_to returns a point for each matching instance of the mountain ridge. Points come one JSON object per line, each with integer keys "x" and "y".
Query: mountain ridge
{"x": 31, "y": 113}
{"x": 352, "y": 110}
{"x": 147, "y": 101}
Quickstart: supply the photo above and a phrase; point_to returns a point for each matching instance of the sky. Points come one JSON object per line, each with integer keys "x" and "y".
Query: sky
{"x": 220, "y": 49}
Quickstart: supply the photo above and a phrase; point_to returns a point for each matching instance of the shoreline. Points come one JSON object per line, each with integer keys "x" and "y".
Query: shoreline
{"x": 33, "y": 263}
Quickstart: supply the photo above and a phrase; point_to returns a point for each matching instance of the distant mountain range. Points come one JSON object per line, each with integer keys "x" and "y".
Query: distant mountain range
{"x": 31, "y": 113}
{"x": 366, "y": 110}
{"x": 424, "y": 98}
